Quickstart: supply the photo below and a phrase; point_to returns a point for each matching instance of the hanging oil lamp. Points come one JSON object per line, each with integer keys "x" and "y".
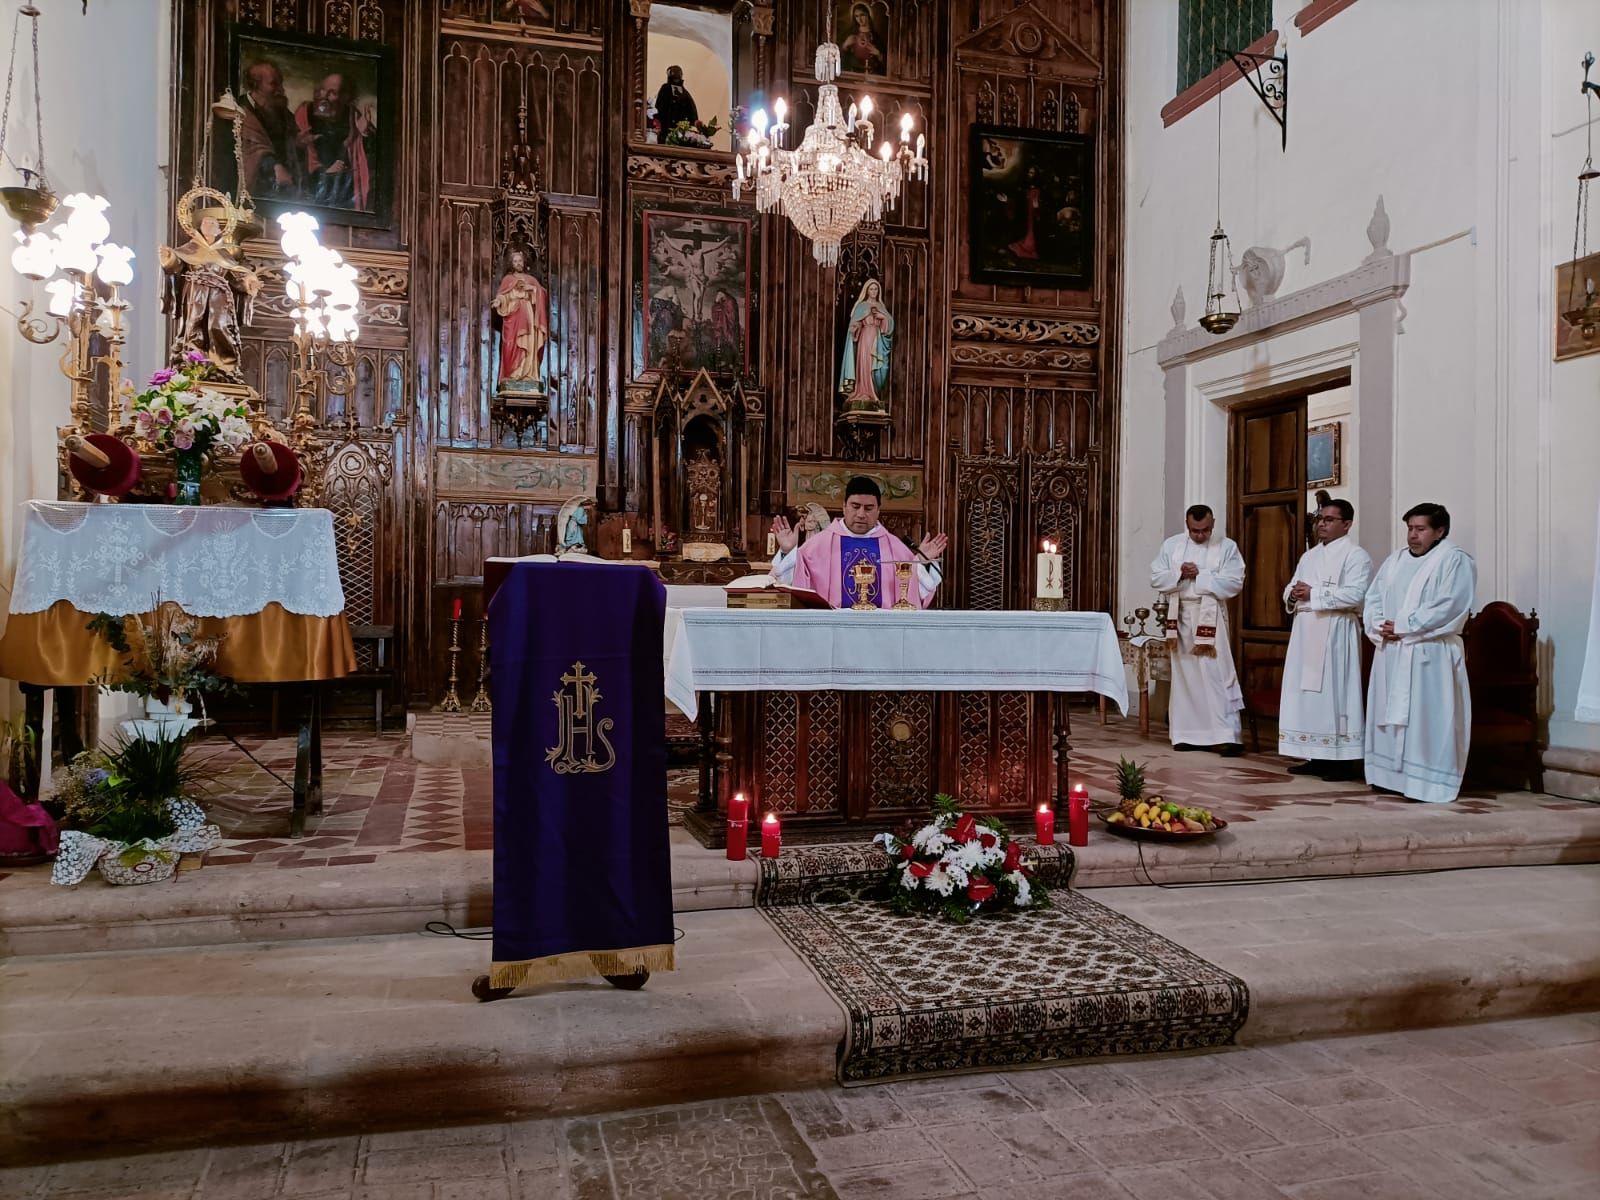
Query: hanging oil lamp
{"x": 1220, "y": 278}
{"x": 33, "y": 202}
{"x": 1582, "y": 310}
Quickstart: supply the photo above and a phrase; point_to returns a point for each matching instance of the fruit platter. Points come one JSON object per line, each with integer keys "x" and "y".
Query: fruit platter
{"x": 1153, "y": 817}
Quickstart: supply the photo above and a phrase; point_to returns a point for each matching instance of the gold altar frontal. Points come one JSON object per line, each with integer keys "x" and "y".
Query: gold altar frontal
{"x": 846, "y": 765}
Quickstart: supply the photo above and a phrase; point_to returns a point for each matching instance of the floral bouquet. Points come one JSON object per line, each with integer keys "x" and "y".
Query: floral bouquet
{"x": 177, "y": 412}
{"x": 692, "y": 133}
{"x": 739, "y": 120}
{"x": 959, "y": 866}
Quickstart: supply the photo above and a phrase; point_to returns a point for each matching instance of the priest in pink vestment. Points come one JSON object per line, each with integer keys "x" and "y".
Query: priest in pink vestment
{"x": 823, "y": 564}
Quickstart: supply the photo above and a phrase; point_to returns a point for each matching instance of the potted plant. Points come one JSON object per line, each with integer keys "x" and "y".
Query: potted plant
{"x": 168, "y": 667}
{"x": 128, "y": 812}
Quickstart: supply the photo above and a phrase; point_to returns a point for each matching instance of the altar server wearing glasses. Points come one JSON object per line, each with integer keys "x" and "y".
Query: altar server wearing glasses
{"x": 1201, "y": 573}
{"x": 824, "y": 563}
{"x": 1419, "y": 711}
{"x": 1320, "y": 712}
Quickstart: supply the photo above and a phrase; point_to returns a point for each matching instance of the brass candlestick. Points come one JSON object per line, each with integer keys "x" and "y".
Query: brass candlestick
{"x": 452, "y": 701}
{"x": 480, "y": 702}
{"x": 902, "y": 584}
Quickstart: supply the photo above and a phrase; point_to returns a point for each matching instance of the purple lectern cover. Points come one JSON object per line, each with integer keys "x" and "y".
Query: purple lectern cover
{"x": 582, "y": 874}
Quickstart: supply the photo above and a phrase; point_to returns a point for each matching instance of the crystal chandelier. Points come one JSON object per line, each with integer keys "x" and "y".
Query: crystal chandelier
{"x": 831, "y": 182}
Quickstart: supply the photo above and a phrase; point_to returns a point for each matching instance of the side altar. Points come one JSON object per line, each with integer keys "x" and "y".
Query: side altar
{"x": 845, "y": 723}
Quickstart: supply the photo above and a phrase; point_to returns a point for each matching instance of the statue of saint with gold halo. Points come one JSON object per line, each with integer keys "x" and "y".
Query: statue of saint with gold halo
{"x": 209, "y": 291}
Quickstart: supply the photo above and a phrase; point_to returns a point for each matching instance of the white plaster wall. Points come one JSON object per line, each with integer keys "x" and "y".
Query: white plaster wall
{"x": 1460, "y": 114}
{"x": 105, "y": 92}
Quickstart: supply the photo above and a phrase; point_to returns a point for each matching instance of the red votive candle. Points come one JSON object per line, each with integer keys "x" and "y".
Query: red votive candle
{"x": 1044, "y": 826}
{"x": 1078, "y": 816}
{"x": 455, "y": 610}
{"x": 738, "y": 826}
{"x": 771, "y": 836}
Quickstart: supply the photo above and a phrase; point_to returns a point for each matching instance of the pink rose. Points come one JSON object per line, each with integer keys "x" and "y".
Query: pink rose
{"x": 163, "y": 416}
{"x": 183, "y": 441}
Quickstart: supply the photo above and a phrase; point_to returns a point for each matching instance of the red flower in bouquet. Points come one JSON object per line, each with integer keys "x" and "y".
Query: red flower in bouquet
{"x": 987, "y": 840}
{"x": 980, "y": 889}
{"x": 1013, "y": 856}
{"x": 908, "y": 851}
{"x": 966, "y": 829}
{"x": 921, "y": 870}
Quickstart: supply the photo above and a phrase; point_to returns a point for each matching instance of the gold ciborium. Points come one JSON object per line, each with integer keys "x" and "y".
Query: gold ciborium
{"x": 902, "y": 584}
{"x": 1144, "y": 615}
{"x": 866, "y": 580}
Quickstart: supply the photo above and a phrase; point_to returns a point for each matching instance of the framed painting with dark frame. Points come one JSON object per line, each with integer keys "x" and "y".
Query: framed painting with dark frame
{"x": 317, "y": 130}
{"x": 1030, "y": 201}
{"x": 1322, "y": 455}
{"x": 694, "y": 299}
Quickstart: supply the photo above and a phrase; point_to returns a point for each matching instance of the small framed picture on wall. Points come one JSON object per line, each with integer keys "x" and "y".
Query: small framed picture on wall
{"x": 1322, "y": 456}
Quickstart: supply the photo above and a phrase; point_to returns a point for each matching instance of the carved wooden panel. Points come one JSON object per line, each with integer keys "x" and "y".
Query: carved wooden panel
{"x": 977, "y": 372}
{"x": 900, "y": 756}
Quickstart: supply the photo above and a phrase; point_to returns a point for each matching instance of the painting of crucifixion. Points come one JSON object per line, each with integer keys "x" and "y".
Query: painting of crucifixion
{"x": 696, "y": 292}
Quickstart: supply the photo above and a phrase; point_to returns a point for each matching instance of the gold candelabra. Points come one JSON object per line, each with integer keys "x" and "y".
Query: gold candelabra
{"x": 480, "y": 702}
{"x": 452, "y": 699}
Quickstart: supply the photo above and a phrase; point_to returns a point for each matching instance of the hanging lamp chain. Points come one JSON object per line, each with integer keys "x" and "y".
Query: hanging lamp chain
{"x": 32, "y": 13}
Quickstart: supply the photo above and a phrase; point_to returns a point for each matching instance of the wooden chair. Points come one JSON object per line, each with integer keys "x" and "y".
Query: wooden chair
{"x": 1502, "y": 648}
{"x": 381, "y": 676}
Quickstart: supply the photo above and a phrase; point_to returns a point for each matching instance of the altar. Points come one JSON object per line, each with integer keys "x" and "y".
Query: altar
{"x": 846, "y": 723}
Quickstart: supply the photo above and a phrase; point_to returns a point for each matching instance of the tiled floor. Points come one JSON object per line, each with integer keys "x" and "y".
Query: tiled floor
{"x": 378, "y": 801}
{"x": 1508, "y": 1109}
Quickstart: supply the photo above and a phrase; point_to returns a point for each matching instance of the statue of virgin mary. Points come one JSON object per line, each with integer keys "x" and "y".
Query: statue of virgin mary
{"x": 864, "y": 371}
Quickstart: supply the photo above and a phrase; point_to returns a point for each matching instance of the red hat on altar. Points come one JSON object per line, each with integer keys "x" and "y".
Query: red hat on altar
{"x": 271, "y": 470}
{"x": 103, "y": 464}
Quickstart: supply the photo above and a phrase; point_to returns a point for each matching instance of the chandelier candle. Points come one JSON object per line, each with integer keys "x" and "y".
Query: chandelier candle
{"x": 1049, "y": 584}
{"x": 1078, "y": 816}
{"x": 738, "y": 826}
{"x": 1044, "y": 826}
{"x": 771, "y": 836}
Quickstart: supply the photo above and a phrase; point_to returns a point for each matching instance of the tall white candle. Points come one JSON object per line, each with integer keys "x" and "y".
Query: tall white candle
{"x": 1048, "y": 584}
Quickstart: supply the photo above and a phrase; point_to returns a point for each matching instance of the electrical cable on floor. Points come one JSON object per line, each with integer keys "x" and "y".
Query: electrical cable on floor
{"x": 445, "y": 929}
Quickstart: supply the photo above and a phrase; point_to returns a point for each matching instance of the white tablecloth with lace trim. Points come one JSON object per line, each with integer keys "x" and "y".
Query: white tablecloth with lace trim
{"x": 213, "y": 561}
{"x": 940, "y": 650}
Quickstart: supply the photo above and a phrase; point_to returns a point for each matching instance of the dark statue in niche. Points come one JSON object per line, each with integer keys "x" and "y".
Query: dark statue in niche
{"x": 673, "y": 101}
{"x": 705, "y": 481}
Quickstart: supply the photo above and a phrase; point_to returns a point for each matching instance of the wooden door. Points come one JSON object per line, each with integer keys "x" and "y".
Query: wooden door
{"x": 1267, "y": 510}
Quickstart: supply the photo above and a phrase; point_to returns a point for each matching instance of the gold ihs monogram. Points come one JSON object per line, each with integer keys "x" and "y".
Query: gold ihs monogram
{"x": 579, "y": 736}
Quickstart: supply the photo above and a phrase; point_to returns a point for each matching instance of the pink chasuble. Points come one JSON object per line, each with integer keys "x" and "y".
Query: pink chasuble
{"x": 819, "y": 565}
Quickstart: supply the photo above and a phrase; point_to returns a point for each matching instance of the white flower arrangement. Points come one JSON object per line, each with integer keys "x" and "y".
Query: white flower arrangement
{"x": 959, "y": 865}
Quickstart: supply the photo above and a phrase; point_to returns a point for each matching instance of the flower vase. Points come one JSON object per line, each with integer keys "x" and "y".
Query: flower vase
{"x": 186, "y": 487}
{"x": 162, "y": 722}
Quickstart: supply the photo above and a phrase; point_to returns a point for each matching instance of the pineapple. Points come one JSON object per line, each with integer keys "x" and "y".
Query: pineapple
{"x": 1130, "y": 783}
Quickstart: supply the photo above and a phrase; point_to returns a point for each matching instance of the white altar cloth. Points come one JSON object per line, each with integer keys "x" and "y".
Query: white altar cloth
{"x": 213, "y": 561}
{"x": 940, "y": 650}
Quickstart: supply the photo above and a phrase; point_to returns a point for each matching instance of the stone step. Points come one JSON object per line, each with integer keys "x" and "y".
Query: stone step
{"x": 325, "y": 1036}
{"x": 225, "y": 905}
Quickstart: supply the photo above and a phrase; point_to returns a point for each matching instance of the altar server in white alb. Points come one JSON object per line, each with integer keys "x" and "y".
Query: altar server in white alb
{"x": 1201, "y": 573}
{"x": 1419, "y": 712}
{"x": 1320, "y": 712}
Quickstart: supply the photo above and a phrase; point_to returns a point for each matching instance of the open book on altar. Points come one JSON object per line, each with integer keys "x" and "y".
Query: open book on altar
{"x": 761, "y": 591}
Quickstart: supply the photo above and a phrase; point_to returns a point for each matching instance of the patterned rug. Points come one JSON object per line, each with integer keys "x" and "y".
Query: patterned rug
{"x": 923, "y": 997}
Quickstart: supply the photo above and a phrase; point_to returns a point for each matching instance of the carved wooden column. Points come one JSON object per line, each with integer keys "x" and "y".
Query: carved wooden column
{"x": 640, "y": 11}
{"x": 761, "y": 20}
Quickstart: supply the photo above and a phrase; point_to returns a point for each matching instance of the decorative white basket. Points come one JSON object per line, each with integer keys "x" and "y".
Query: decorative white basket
{"x": 150, "y": 869}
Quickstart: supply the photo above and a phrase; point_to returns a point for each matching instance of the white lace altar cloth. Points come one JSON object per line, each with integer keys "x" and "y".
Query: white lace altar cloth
{"x": 213, "y": 561}
{"x": 884, "y": 650}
